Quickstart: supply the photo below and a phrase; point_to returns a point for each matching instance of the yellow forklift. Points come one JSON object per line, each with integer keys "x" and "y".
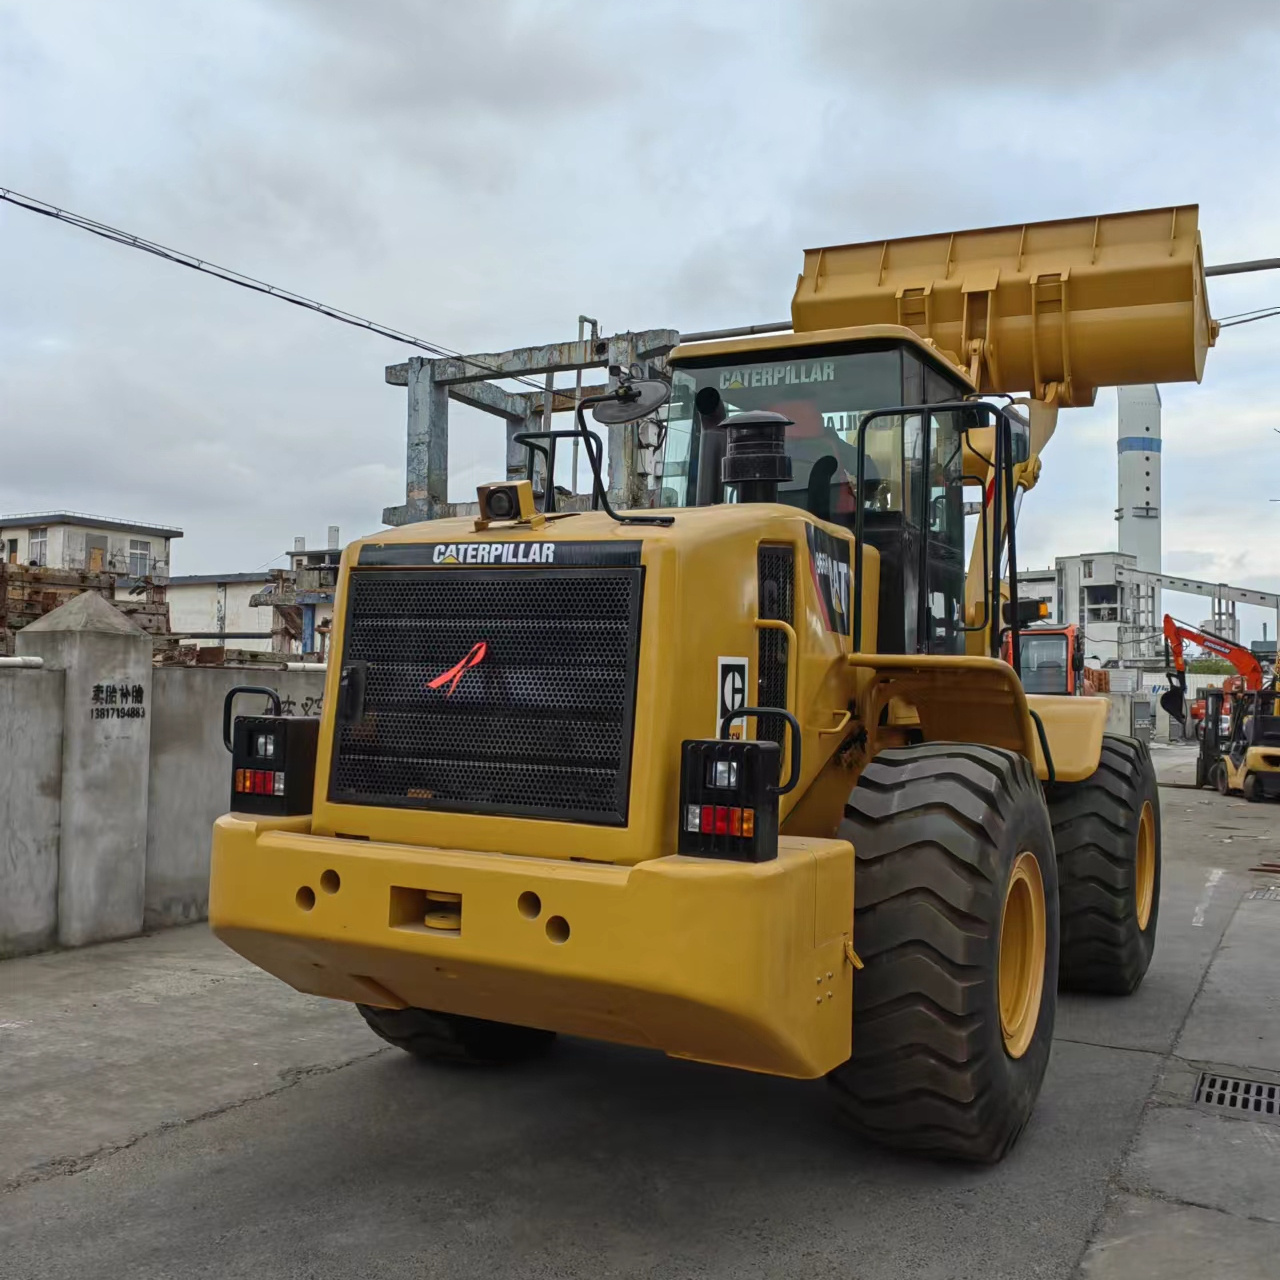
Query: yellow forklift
{"x": 1245, "y": 760}
{"x": 744, "y": 777}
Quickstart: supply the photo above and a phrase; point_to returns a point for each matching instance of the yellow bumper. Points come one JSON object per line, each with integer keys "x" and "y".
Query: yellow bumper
{"x": 742, "y": 964}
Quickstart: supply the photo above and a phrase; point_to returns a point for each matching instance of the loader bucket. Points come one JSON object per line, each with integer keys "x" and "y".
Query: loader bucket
{"x": 1080, "y": 303}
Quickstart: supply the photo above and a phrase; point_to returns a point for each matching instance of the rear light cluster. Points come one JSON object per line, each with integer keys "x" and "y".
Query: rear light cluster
{"x": 273, "y": 764}
{"x": 729, "y": 799}
{"x": 259, "y": 782}
{"x": 720, "y": 820}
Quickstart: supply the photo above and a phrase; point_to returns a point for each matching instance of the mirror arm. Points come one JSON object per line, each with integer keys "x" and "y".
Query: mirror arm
{"x": 597, "y": 467}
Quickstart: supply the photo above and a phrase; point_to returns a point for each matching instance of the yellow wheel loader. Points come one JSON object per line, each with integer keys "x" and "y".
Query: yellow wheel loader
{"x": 742, "y": 776}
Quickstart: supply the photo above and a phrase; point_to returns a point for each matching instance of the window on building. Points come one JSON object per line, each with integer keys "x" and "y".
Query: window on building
{"x": 1086, "y": 568}
{"x": 1103, "y": 603}
{"x": 12, "y": 557}
{"x": 139, "y": 557}
{"x": 38, "y": 547}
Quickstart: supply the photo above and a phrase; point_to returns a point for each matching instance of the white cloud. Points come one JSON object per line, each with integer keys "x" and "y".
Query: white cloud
{"x": 482, "y": 174}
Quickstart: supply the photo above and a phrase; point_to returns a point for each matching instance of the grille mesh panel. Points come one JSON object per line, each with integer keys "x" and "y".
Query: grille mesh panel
{"x": 776, "y": 570}
{"x": 540, "y": 726}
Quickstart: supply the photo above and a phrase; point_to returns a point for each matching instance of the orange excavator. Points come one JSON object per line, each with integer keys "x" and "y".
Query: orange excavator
{"x": 1176, "y": 634}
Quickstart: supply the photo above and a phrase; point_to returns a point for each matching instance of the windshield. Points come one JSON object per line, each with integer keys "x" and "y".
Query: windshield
{"x": 823, "y": 394}
{"x": 910, "y": 501}
{"x": 1044, "y": 663}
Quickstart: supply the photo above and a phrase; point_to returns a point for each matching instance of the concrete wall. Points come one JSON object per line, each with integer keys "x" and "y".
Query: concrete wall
{"x": 191, "y": 775}
{"x": 220, "y": 606}
{"x": 105, "y": 744}
{"x": 18, "y": 534}
{"x": 105, "y": 819}
{"x": 1154, "y": 683}
{"x": 30, "y": 807}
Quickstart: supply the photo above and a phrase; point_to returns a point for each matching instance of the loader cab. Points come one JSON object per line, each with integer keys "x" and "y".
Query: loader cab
{"x": 911, "y": 488}
{"x": 1052, "y": 660}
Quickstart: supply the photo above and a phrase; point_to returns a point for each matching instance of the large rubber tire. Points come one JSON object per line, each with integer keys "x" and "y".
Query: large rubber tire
{"x": 936, "y": 831}
{"x": 1105, "y": 948}
{"x": 449, "y": 1037}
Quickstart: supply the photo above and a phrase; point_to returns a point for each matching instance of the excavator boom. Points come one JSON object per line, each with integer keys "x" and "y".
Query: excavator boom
{"x": 1176, "y": 633}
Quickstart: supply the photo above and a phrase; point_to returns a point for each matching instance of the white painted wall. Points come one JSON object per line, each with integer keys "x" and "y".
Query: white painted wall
{"x": 219, "y": 606}
{"x": 67, "y": 547}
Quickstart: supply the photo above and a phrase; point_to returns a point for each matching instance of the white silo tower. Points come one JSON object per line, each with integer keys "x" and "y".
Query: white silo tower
{"x": 1138, "y": 509}
{"x": 1138, "y": 449}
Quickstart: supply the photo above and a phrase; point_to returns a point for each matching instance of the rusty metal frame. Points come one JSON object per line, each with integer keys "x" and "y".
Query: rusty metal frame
{"x": 472, "y": 380}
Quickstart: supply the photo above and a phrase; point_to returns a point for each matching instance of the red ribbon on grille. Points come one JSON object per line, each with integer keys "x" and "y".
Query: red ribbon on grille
{"x": 456, "y": 672}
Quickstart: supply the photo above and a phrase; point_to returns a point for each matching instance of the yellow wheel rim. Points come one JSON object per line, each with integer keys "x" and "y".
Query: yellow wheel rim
{"x": 1022, "y": 948}
{"x": 1144, "y": 869}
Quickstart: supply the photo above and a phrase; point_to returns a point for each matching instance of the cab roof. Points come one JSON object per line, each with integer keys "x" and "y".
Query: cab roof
{"x": 943, "y": 361}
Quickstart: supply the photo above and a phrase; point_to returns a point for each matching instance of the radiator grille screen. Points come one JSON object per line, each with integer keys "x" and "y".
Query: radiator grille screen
{"x": 538, "y": 726}
{"x": 776, "y": 568}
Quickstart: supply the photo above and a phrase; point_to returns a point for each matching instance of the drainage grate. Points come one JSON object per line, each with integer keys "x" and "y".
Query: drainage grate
{"x": 1269, "y": 893}
{"x": 1229, "y": 1093}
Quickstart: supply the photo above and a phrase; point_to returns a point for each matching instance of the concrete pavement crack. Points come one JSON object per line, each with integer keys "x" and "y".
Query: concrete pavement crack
{"x": 1120, "y": 1048}
{"x": 68, "y": 1166}
{"x": 1150, "y": 1193}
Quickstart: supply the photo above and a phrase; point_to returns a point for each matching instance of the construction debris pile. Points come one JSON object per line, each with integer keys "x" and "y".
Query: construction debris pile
{"x": 28, "y": 593}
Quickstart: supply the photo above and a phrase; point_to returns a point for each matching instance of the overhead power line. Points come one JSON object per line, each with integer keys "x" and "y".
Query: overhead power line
{"x": 189, "y": 260}
{"x": 32, "y": 205}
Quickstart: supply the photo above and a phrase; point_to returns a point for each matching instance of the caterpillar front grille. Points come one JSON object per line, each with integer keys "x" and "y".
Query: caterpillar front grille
{"x": 538, "y": 721}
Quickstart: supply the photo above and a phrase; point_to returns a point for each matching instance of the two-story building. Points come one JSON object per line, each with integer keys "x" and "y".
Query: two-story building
{"x": 81, "y": 543}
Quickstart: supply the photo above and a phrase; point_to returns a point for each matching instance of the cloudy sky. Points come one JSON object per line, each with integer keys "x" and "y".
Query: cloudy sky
{"x": 481, "y": 173}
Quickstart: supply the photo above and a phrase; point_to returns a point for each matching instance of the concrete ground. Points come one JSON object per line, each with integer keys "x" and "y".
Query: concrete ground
{"x": 168, "y": 1111}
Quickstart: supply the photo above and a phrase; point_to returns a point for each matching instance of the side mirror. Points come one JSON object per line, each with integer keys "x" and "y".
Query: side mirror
{"x": 1020, "y": 438}
{"x": 632, "y": 401}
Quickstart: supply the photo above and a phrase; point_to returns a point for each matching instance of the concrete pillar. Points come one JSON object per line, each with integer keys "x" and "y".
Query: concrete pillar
{"x": 106, "y": 742}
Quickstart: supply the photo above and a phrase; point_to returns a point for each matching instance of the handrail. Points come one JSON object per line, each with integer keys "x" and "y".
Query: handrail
{"x": 846, "y": 716}
{"x": 262, "y": 689}
{"x": 739, "y": 713}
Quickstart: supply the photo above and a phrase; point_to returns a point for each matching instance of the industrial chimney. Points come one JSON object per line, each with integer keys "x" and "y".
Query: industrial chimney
{"x": 1138, "y": 512}
{"x": 1138, "y": 501}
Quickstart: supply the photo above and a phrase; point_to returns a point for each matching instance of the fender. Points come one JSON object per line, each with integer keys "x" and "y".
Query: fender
{"x": 966, "y": 698}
